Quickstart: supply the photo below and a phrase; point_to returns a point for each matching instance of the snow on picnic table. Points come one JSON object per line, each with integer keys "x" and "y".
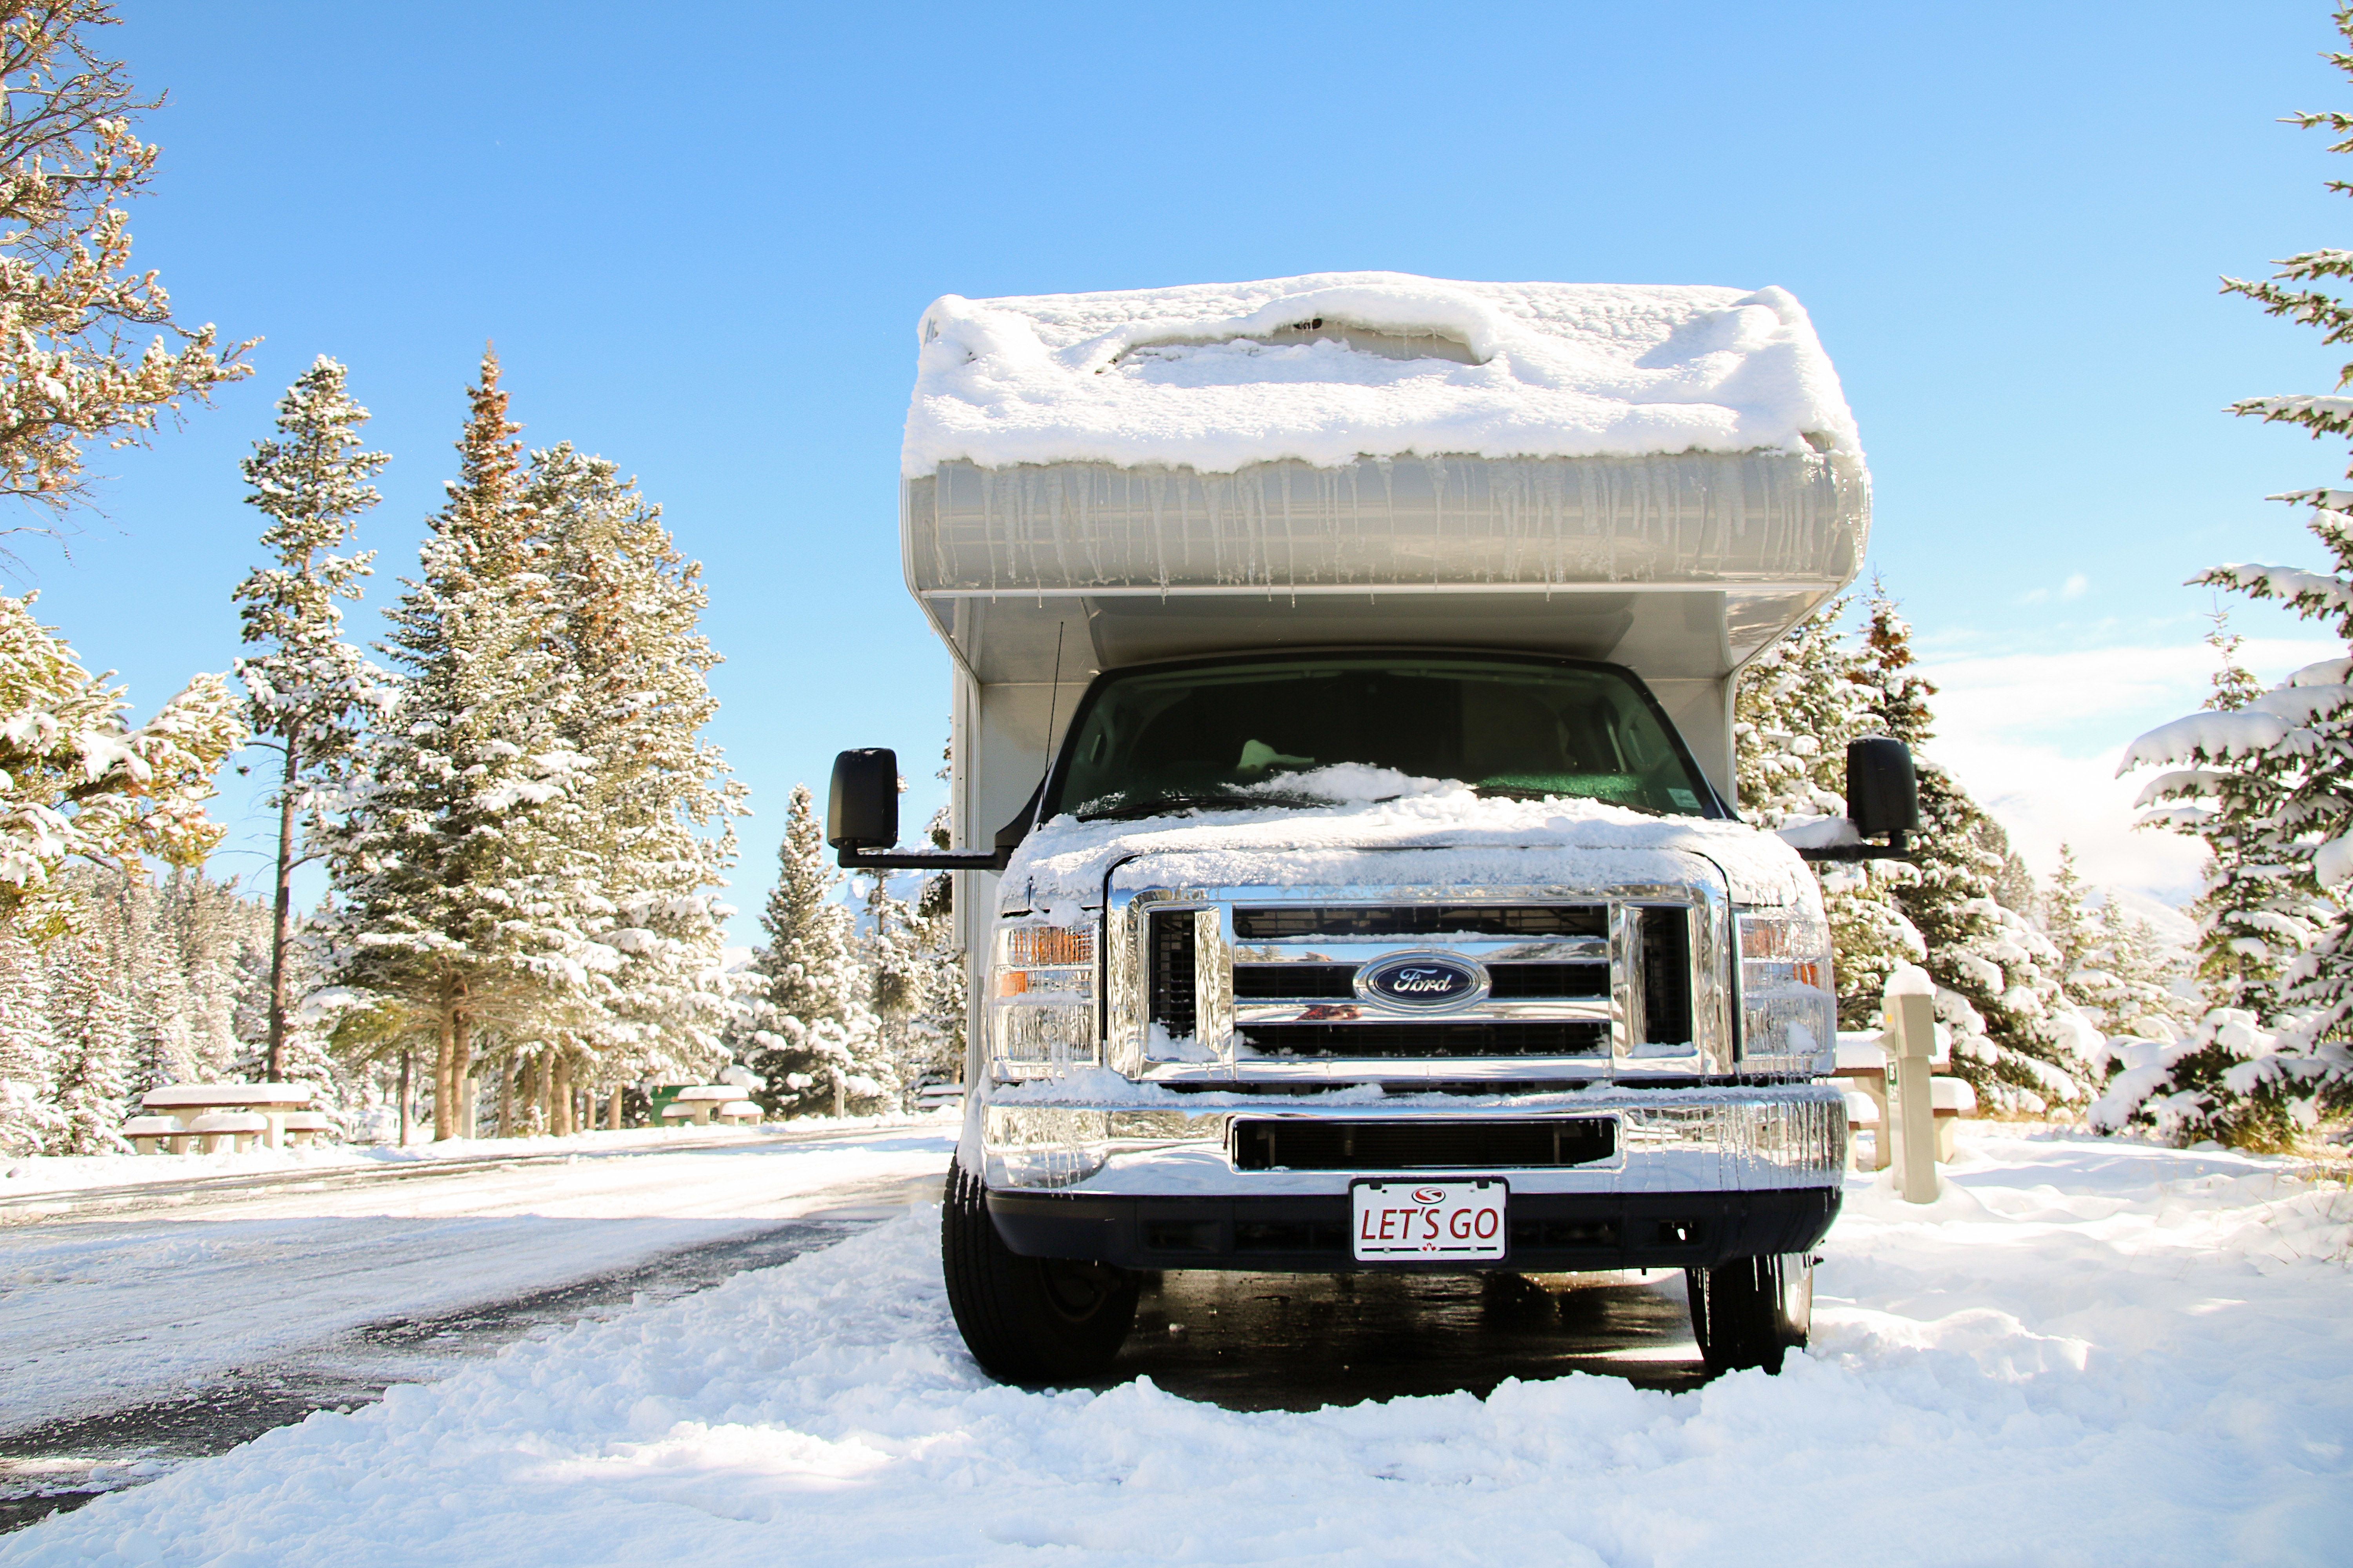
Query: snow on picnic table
{"x": 2089, "y": 1351}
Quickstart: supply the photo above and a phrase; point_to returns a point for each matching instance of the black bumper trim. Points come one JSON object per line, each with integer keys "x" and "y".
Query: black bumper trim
{"x": 1551, "y": 1232}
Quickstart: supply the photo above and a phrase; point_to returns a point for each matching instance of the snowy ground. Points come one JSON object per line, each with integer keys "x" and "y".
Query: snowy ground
{"x": 2088, "y": 1353}
{"x": 138, "y": 1279}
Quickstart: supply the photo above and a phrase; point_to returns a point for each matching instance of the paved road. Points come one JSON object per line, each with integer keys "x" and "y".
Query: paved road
{"x": 148, "y": 1325}
{"x": 1299, "y": 1341}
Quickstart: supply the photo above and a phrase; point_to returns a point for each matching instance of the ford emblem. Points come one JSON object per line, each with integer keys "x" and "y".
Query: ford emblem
{"x": 1422, "y": 979}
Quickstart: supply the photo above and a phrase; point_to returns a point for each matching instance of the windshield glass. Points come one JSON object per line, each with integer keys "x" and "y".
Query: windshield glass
{"x": 1230, "y": 734}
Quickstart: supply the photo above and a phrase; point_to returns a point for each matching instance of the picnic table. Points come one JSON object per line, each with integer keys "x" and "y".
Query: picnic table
{"x": 1861, "y": 1069}
{"x": 702, "y": 1103}
{"x": 207, "y": 1113}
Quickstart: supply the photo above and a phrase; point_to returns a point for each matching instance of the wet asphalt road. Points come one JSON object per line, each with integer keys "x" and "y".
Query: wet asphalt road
{"x": 1300, "y": 1342}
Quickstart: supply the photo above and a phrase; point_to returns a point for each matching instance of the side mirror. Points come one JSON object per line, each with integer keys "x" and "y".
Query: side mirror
{"x": 1883, "y": 793}
{"x": 862, "y": 809}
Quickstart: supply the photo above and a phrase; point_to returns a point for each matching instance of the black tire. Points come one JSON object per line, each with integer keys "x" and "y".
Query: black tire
{"x": 1746, "y": 1312}
{"x": 1028, "y": 1319}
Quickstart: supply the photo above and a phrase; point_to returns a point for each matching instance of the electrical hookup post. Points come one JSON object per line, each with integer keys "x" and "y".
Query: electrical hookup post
{"x": 1910, "y": 1042}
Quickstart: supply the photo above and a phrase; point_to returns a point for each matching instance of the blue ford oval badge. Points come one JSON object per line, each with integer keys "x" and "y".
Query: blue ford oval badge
{"x": 1422, "y": 979}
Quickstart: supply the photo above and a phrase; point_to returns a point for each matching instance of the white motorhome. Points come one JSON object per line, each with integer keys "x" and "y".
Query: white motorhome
{"x": 1346, "y": 847}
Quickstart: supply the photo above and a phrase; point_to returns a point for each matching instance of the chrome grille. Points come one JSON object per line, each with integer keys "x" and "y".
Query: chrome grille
{"x": 1380, "y": 923}
{"x": 1211, "y": 984}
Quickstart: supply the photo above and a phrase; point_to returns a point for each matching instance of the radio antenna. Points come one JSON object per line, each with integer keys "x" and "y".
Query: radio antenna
{"x": 1053, "y": 699}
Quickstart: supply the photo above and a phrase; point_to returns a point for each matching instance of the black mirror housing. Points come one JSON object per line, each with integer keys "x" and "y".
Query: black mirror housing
{"x": 861, "y": 810}
{"x": 1883, "y": 792}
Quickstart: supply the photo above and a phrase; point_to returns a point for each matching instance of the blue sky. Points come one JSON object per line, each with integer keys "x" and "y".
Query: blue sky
{"x": 701, "y": 238}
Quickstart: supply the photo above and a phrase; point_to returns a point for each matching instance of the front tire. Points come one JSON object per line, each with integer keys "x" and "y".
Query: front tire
{"x": 1028, "y": 1319}
{"x": 1747, "y": 1312}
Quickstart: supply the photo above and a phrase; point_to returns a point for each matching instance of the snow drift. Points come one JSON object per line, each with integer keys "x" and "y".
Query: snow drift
{"x": 2087, "y": 1352}
{"x": 1333, "y": 366}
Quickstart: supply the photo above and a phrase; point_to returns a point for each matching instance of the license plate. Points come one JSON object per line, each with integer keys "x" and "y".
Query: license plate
{"x": 1430, "y": 1220}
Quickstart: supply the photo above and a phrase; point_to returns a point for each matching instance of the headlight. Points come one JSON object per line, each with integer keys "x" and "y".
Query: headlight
{"x": 1787, "y": 1004}
{"x": 1044, "y": 1000}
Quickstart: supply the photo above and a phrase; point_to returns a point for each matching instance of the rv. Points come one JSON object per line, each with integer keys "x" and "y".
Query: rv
{"x": 1346, "y": 851}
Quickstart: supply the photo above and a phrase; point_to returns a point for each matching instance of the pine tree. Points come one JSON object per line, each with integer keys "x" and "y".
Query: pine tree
{"x": 2267, "y": 782}
{"x": 2015, "y": 1036}
{"x": 93, "y": 1029}
{"x": 811, "y": 1035}
{"x": 456, "y": 860}
{"x": 71, "y": 370}
{"x": 77, "y": 783}
{"x": 1794, "y": 711}
{"x": 29, "y": 1114}
{"x": 310, "y": 690}
{"x": 2259, "y": 909}
{"x": 658, "y": 804}
{"x": 2067, "y": 917}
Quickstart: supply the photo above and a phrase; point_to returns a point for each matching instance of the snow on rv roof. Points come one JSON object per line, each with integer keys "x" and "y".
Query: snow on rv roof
{"x": 1339, "y": 366}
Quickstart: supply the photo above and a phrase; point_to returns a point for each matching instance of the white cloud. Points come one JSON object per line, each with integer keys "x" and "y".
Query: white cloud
{"x": 2073, "y": 588}
{"x": 2036, "y": 738}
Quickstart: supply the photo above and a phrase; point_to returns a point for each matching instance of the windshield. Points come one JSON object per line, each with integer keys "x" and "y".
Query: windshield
{"x": 1228, "y": 734}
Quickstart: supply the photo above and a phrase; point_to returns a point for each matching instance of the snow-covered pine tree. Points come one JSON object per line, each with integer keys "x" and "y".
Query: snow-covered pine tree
{"x": 658, "y": 804}
{"x": 456, "y": 858}
{"x": 1793, "y": 714}
{"x": 1797, "y": 707}
{"x": 219, "y": 934}
{"x": 2015, "y": 1036}
{"x": 131, "y": 932}
{"x": 897, "y": 975}
{"x": 2261, "y": 908}
{"x": 2112, "y": 968}
{"x": 810, "y": 1034}
{"x": 310, "y": 691}
{"x": 2268, "y": 784}
{"x": 30, "y": 1115}
{"x": 77, "y": 783}
{"x": 939, "y": 1024}
{"x": 93, "y": 1029}
{"x": 71, "y": 366}
{"x": 2066, "y": 915}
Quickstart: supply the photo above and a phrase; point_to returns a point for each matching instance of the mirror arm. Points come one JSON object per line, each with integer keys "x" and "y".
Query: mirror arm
{"x": 1856, "y": 852}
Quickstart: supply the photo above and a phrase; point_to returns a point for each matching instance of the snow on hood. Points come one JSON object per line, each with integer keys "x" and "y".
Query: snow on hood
{"x": 1197, "y": 375}
{"x": 1469, "y": 842}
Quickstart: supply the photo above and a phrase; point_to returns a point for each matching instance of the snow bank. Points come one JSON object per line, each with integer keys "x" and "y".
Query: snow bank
{"x": 1467, "y": 841}
{"x": 1217, "y": 375}
{"x": 34, "y": 1174}
{"x": 2085, "y": 1351}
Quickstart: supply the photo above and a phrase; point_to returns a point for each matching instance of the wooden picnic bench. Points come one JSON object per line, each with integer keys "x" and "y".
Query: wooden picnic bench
{"x": 1862, "y": 1071}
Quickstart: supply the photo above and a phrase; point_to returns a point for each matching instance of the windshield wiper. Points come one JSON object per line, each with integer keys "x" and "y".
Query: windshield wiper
{"x": 1159, "y": 805}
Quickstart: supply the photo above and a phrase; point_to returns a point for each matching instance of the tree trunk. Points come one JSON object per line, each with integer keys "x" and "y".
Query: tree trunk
{"x": 444, "y": 1076}
{"x": 507, "y": 1066}
{"x": 282, "y": 918}
{"x": 461, "y": 1071}
{"x": 613, "y": 1117}
{"x": 405, "y": 1057}
{"x": 559, "y": 1094}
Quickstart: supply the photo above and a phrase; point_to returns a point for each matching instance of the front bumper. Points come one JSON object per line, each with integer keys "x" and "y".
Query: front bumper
{"x": 1550, "y": 1232}
{"x": 1098, "y": 1167}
